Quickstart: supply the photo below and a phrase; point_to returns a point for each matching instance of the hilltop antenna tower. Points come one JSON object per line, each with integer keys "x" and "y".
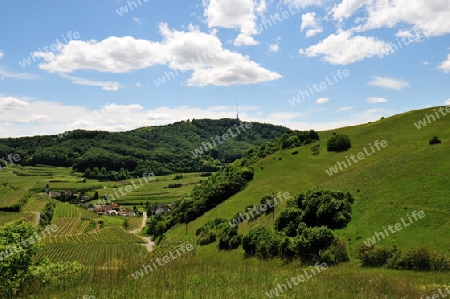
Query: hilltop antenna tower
{"x": 237, "y": 110}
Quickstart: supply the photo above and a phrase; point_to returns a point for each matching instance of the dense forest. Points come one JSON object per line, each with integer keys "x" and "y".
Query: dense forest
{"x": 161, "y": 150}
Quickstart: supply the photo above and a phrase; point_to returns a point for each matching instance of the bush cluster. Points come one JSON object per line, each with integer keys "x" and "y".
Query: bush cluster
{"x": 419, "y": 259}
{"x": 338, "y": 143}
{"x": 207, "y": 234}
{"x": 47, "y": 214}
{"x": 303, "y": 230}
{"x": 316, "y": 207}
{"x": 289, "y": 139}
{"x": 229, "y": 238}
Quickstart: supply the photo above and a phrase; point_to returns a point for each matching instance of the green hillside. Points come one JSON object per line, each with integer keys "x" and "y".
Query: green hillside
{"x": 394, "y": 181}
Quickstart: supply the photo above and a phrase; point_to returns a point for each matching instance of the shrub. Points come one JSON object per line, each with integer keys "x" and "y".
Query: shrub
{"x": 57, "y": 275}
{"x": 316, "y": 208}
{"x": 416, "y": 259}
{"x": 15, "y": 264}
{"x": 250, "y": 240}
{"x": 288, "y": 221}
{"x": 261, "y": 242}
{"x": 269, "y": 202}
{"x": 226, "y": 241}
{"x": 286, "y": 248}
{"x": 205, "y": 238}
{"x": 434, "y": 140}
{"x": 375, "y": 256}
{"x": 439, "y": 262}
{"x": 47, "y": 214}
{"x": 312, "y": 241}
{"x": 338, "y": 143}
{"x": 420, "y": 259}
{"x": 335, "y": 254}
{"x": 267, "y": 246}
{"x": 234, "y": 242}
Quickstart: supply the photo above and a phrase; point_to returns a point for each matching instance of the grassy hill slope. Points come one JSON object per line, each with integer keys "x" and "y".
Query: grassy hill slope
{"x": 407, "y": 175}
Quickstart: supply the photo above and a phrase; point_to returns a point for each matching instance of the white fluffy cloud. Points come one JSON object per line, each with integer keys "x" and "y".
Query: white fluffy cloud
{"x": 389, "y": 83}
{"x": 374, "y": 100}
{"x": 193, "y": 50}
{"x": 347, "y": 8}
{"x": 111, "y": 55}
{"x": 431, "y": 17}
{"x": 321, "y": 101}
{"x": 11, "y": 103}
{"x": 343, "y": 48}
{"x": 309, "y": 21}
{"x": 445, "y": 65}
{"x": 237, "y": 14}
{"x": 275, "y": 47}
{"x": 447, "y": 102}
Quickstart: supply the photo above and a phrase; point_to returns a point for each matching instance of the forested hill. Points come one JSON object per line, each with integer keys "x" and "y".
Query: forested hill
{"x": 162, "y": 150}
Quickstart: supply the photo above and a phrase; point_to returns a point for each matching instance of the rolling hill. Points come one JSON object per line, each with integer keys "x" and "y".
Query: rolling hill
{"x": 163, "y": 150}
{"x": 407, "y": 175}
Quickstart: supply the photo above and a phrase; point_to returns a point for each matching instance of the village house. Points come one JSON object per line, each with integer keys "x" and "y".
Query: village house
{"x": 54, "y": 194}
{"x": 160, "y": 208}
{"x": 126, "y": 212}
{"x": 103, "y": 210}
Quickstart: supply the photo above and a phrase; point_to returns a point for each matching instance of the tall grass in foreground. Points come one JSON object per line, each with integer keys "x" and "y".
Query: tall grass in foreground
{"x": 209, "y": 274}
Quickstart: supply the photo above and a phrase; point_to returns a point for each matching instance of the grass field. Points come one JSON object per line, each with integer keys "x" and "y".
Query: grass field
{"x": 213, "y": 274}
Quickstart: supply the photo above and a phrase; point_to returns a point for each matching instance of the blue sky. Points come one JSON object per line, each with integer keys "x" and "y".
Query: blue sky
{"x": 306, "y": 64}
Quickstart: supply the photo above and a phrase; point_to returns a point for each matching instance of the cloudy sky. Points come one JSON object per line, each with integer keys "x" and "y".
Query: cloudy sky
{"x": 306, "y": 64}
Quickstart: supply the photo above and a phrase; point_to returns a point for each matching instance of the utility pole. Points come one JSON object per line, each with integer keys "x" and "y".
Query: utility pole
{"x": 273, "y": 212}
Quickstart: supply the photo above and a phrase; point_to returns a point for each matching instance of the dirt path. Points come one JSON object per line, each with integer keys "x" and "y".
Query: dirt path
{"x": 38, "y": 217}
{"x": 150, "y": 243}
